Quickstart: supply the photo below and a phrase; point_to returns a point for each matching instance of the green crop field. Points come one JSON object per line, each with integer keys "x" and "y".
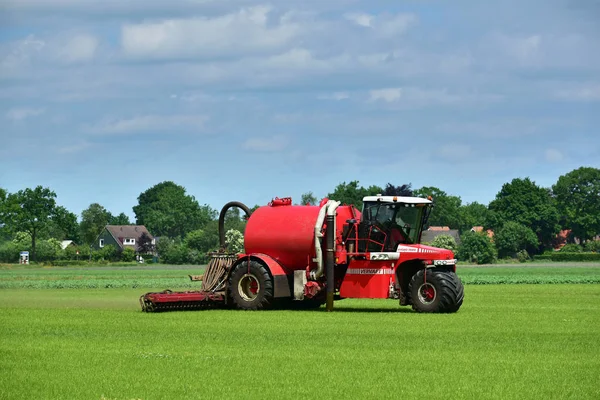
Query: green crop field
{"x": 508, "y": 341}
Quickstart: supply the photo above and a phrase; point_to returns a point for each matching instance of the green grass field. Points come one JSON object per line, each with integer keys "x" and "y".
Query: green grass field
{"x": 174, "y": 277}
{"x": 509, "y": 341}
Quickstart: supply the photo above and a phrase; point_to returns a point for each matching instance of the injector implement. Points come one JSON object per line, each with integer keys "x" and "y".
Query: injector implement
{"x": 304, "y": 256}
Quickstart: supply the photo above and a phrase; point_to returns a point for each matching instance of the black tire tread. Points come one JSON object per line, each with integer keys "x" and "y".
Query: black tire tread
{"x": 449, "y": 288}
{"x": 263, "y": 302}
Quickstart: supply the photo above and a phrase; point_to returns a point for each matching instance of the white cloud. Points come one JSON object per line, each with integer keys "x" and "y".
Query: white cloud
{"x": 151, "y": 123}
{"x": 396, "y": 24}
{"x": 338, "y": 96}
{"x": 20, "y": 53}
{"x": 589, "y": 92}
{"x": 79, "y": 48}
{"x": 553, "y": 155}
{"x": 388, "y": 95}
{"x": 19, "y": 114}
{"x": 267, "y": 144}
{"x": 387, "y": 25}
{"x": 361, "y": 19}
{"x": 247, "y": 30}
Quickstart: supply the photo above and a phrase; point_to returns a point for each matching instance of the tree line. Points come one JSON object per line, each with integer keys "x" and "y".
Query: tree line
{"x": 523, "y": 216}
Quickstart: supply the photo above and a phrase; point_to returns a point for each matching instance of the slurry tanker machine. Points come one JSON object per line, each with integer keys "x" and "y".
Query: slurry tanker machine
{"x": 303, "y": 256}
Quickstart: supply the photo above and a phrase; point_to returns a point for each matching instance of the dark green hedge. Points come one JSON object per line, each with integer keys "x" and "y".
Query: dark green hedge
{"x": 568, "y": 257}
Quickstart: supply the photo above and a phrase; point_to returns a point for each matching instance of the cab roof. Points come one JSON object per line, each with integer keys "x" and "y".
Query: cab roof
{"x": 397, "y": 199}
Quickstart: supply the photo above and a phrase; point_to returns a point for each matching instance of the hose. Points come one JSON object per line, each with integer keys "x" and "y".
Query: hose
{"x": 222, "y": 219}
{"x": 216, "y": 272}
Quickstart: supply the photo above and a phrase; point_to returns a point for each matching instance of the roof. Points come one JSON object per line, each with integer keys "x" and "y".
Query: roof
{"x": 479, "y": 229}
{"x": 397, "y": 199}
{"x": 66, "y": 243}
{"x": 120, "y": 232}
{"x": 438, "y": 228}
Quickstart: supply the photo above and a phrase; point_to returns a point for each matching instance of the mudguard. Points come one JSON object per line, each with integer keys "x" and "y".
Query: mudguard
{"x": 281, "y": 280}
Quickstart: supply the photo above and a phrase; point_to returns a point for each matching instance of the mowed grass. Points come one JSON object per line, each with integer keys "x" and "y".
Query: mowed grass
{"x": 172, "y": 277}
{"x": 506, "y": 342}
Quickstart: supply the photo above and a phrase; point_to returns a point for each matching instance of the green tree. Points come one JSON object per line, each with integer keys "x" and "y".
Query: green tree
{"x": 476, "y": 247}
{"x": 402, "y": 190}
{"x": 121, "y": 219}
{"x": 514, "y": 237}
{"x": 578, "y": 199}
{"x": 64, "y": 225}
{"x": 473, "y": 214}
{"x": 93, "y": 220}
{"x": 166, "y": 210}
{"x": 524, "y": 202}
{"x": 309, "y": 198}
{"x": 446, "y": 210}
{"x": 4, "y": 231}
{"x": 30, "y": 211}
{"x": 352, "y": 194}
{"x": 233, "y": 220}
{"x": 202, "y": 240}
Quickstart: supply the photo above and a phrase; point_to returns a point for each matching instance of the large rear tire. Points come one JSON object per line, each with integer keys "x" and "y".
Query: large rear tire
{"x": 251, "y": 286}
{"x": 441, "y": 292}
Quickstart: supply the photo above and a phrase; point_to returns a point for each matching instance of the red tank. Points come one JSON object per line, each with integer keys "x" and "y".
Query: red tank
{"x": 284, "y": 232}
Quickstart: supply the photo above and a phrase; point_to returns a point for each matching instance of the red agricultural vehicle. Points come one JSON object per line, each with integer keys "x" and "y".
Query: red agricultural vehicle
{"x": 304, "y": 256}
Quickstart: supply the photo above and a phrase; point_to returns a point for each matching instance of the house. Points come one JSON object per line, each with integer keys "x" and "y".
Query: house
{"x": 489, "y": 232}
{"x": 122, "y": 236}
{"x": 434, "y": 231}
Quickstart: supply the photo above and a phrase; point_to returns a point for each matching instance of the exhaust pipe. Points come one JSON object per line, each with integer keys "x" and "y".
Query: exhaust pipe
{"x": 330, "y": 256}
{"x": 329, "y": 209}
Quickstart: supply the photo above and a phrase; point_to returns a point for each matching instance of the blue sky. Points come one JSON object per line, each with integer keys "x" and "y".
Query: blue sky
{"x": 248, "y": 100}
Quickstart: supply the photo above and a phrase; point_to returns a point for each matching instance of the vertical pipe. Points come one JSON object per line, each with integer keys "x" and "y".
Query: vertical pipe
{"x": 330, "y": 260}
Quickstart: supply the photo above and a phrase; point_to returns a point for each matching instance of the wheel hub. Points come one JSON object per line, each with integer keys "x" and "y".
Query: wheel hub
{"x": 248, "y": 287}
{"x": 427, "y": 293}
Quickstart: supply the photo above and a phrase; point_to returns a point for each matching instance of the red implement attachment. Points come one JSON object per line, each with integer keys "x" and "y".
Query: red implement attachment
{"x": 191, "y": 300}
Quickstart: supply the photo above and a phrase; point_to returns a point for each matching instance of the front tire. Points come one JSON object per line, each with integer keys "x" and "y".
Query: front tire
{"x": 441, "y": 292}
{"x": 251, "y": 286}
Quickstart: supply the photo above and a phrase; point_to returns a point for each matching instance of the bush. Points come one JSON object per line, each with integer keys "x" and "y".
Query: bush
{"x": 128, "y": 254}
{"x": 70, "y": 253}
{"x": 592, "y": 246}
{"x": 560, "y": 256}
{"x": 523, "y": 256}
{"x": 202, "y": 240}
{"x": 514, "y": 237}
{"x": 9, "y": 252}
{"x": 69, "y": 263}
{"x": 47, "y": 250}
{"x": 175, "y": 254}
{"x": 107, "y": 253}
{"x": 477, "y": 247}
{"x": 571, "y": 248}
{"x": 444, "y": 242}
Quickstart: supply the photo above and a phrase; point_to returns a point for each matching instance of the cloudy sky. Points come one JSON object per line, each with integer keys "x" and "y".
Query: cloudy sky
{"x": 247, "y": 100}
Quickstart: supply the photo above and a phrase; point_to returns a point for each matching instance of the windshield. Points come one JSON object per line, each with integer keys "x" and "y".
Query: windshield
{"x": 404, "y": 217}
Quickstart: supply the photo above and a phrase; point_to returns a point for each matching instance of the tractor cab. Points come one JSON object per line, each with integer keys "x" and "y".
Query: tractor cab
{"x": 388, "y": 221}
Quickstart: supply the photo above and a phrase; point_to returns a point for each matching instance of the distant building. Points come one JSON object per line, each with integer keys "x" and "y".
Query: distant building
{"x": 122, "y": 236}
{"x": 67, "y": 243}
{"x": 489, "y": 232}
